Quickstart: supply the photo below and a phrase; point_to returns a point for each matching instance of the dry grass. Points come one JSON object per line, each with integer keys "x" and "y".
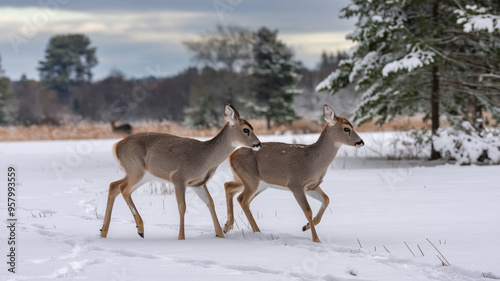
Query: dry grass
{"x": 405, "y": 123}
{"x": 88, "y": 130}
{"x": 399, "y": 124}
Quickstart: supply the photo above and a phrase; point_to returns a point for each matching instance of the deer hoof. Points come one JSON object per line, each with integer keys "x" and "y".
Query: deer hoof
{"x": 226, "y": 229}
{"x": 305, "y": 227}
{"x": 141, "y": 234}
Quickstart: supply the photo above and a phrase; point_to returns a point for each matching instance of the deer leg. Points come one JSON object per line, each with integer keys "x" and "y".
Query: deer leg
{"x": 126, "y": 191}
{"x": 319, "y": 195}
{"x": 114, "y": 190}
{"x": 231, "y": 188}
{"x": 300, "y": 196}
{"x": 245, "y": 198}
{"x": 180, "y": 195}
{"x": 204, "y": 195}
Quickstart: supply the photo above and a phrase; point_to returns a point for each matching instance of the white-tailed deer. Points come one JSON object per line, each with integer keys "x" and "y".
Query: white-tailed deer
{"x": 124, "y": 129}
{"x": 181, "y": 161}
{"x": 298, "y": 168}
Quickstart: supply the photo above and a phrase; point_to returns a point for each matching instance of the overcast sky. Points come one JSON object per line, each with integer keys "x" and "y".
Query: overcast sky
{"x": 134, "y": 36}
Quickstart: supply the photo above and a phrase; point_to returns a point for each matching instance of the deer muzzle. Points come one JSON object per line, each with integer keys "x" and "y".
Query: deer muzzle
{"x": 359, "y": 144}
{"x": 258, "y": 146}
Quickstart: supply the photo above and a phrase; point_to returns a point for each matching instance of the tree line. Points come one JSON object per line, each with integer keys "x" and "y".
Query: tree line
{"x": 252, "y": 69}
{"x": 440, "y": 58}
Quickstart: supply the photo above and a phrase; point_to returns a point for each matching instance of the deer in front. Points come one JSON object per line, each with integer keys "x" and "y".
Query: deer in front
{"x": 298, "y": 168}
{"x": 181, "y": 161}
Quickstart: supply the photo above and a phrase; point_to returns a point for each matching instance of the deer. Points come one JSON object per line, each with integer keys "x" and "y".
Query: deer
{"x": 179, "y": 160}
{"x": 125, "y": 129}
{"x": 297, "y": 168}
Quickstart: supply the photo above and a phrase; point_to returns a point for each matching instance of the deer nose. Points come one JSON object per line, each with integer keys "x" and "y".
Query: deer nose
{"x": 258, "y": 146}
{"x": 359, "y": 144}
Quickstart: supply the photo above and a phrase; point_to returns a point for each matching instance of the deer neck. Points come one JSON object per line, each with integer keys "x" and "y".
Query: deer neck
{"x": 326, "y": 147}
{"x": 220, "y": 147}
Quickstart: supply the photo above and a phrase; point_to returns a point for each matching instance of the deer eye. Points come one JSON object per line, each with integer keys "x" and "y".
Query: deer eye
{"x": 347, "y": 130}
{"x": 246, "y": 131}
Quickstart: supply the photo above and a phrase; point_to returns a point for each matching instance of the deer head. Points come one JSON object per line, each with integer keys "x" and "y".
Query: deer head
{"x": 240, "y": 130}
{"x": 342, "y": 128}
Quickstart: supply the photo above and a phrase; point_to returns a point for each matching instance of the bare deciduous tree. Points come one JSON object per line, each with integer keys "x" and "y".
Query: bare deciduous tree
{"x": 227, "y": 47}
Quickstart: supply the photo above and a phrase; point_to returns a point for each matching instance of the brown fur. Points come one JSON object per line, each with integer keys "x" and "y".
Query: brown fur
{"x": 181, "y": 161}
{"x": 300, "y": 168}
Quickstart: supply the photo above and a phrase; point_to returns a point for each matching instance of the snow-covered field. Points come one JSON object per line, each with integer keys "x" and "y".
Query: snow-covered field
{"x": 376, "y": 206}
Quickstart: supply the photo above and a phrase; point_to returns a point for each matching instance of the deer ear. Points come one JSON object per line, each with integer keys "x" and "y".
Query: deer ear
{"x": 231, "y": 114}
{"x": 329, "y": 115}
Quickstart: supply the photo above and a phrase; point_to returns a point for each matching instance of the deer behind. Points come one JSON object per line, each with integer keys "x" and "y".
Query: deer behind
{"x": 125, "y": 129}
{"x": 298, "y": 168}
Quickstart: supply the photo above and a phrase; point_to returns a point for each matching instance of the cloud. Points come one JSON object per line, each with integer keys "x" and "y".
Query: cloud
{"x": 123, "y": 40}
{"x": 132, "y": 24}
{"x": 317, "y": 42}
{"x": 307, "y": 47}
{"x": 134, "y": 35}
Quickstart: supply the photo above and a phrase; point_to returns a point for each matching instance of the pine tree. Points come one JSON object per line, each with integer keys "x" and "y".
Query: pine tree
{"x": 414, "y": 56}
{"x": 222, "y": 53}
{"x": 206, "y": 95}
{"x": 202, "y": 113}
{"x": 480, "y": 22}
{"x": 275, "y": 76}
{"x": 68, "y": 60}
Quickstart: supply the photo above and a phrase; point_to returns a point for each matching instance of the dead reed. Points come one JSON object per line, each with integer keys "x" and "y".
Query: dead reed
{"x": 103, "y": 130}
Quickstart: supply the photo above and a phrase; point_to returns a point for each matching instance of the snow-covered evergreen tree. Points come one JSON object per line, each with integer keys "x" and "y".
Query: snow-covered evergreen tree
{"x": 419, "y": 56}
{"x": 274, "y": 78}
{"x": 202, "y": 113}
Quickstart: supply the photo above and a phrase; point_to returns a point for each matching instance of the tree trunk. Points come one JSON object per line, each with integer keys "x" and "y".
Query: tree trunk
{"x": 477, "y": 115}
{"x": 268, "y": 119}
{"x": 435, "y": 92}
{"x": 435, "y": 109}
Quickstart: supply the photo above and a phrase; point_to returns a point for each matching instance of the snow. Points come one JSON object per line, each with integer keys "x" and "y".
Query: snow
{"x": 377, "y": 18}
{"x": 417, "y": 58}
{"x": 489, "y": 23}
{"x": 325, "y": 84}
{"x": 477, "y": 19}
{"x": 467, "y": 146}
{"x": 380, "y": 203}
{"x": 365, "y": 63}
